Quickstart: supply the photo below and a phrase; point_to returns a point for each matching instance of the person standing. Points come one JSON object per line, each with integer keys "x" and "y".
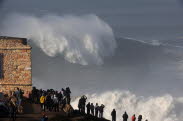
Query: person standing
{"x": 125, "y": 116}
{"x": 55, "y": 103}
{"x": 92, "y": 109}
{"x": 101, "y": 111}
{"x": 13, "y": 107}
{"x": 80, "y": 104}
{"x": 88, "y": 108}
{"x": 68, "y": 95}
{"x": 42, "y": 102}
{"x": 133, "y": 118}
{"x": 113, "y": 114}
{"x": 18, "y": 96}
{"x": 96, "y": 109}
{"x": 60, "y": 97}
{"x": 83, "y": 104}
{"x": 140, "y": 118}
{"x": 48, "y": 102}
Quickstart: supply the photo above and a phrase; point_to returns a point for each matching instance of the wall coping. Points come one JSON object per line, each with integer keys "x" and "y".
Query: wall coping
{"x": 15, "y": 84}
{"x": 16, "y": 48}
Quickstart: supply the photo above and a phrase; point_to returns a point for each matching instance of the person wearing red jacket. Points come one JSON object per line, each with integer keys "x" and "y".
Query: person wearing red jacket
{"x": 133, "y": 118}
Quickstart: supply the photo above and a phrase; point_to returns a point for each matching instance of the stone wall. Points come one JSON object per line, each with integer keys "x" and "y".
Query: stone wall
{"x": 16, "y": 65}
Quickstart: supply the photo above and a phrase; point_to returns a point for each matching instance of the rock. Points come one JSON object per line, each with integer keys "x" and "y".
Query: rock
{"x": 68, "y": 109}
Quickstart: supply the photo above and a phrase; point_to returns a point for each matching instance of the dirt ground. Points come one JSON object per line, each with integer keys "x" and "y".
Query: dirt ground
{"x": 32, "y": 112}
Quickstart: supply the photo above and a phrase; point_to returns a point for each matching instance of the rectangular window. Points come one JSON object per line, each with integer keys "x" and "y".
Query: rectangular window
{"x": 1, "y": 65}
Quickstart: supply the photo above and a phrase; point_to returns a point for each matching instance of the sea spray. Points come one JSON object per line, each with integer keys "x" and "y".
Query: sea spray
{"x": 82, "y": 39}
{"x": 161, "y": 108}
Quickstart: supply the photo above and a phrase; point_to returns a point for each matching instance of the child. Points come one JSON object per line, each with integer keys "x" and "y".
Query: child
{"x": 44, "y": 118}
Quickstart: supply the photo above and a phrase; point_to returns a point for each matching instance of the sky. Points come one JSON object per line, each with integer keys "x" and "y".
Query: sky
{"x": 162, "y": 18}
{"x": 148, "y": 57}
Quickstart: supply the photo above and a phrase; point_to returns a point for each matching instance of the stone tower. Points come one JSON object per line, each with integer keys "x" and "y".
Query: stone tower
{"x": 15, "y": 65}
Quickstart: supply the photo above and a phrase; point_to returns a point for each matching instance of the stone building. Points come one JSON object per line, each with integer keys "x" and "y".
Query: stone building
{"x": 15, "y": 65}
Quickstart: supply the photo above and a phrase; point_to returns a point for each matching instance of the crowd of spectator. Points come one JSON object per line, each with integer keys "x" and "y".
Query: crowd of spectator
{"x": 96, "y": 110}
{"x": 54, "y": 101}
{"x": 50, "y": 100}
{"x": 125, "y": 116}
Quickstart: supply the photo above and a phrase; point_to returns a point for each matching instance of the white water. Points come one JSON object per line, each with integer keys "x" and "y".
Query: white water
{"x": 161, "y": 108}
{"x": 79, "y": 39}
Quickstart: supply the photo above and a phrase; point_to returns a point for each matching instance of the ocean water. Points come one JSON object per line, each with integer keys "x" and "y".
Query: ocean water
{"x": 153, "y": 108}
{"x": 141, "y": 54}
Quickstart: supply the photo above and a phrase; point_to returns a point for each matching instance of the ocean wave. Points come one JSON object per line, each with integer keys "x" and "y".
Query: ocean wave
{"x": 160, "y": 108}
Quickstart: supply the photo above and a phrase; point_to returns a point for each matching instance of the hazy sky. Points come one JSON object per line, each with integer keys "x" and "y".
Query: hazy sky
{"x": 162, "y": 18}
{"x": 135, "y": 66}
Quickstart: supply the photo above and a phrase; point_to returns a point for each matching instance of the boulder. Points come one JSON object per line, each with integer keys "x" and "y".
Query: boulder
{"x": 68, "y": 109}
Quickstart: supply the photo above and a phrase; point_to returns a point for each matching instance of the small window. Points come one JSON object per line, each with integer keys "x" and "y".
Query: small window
{"x": 1, "y": 65}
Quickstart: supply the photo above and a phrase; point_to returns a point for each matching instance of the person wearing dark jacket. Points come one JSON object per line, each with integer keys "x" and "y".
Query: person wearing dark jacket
{"x": 60, "y": 97}
{"x": 80, "y": 104}
{"x": 101, "y": 111}
{"x": 92, "y": 109}
{"x": 96, "y": 109}
{"x": 88, "y": 108}
{"x": 83, "y": 103}
{"x": 125, "y": 116}
{"x": 48, "y": 102}
{"x": 140, "y": 118}
{"x": 68, "y": 93}
{"x": 113, "y": 114}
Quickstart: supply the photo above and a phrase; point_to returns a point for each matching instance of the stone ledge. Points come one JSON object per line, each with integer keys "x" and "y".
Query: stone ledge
{"x": 7, "y": 37}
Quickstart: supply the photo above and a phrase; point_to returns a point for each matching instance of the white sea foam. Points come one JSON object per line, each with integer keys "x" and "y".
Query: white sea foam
{"x": 161, "y": 108}
{"x": 80, "y": 39}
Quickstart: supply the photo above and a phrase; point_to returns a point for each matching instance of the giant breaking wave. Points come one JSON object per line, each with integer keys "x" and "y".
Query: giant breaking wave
{"x": 80, "y": 39}
{"x": 162, "y": 108}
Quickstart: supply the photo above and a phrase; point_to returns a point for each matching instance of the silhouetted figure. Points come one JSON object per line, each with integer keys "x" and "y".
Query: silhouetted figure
{"x": 13, "y": 107}
{"x": 21, "y": 94}
{"x": 83, "y": 103}
{"x": 68, "y": 95}
{"x": 101, "y": 111}
{"x": 34, "y": 95}
{"x": 92, "y": 109}
{"x": 49, "y": 102}
{"x": 133, "y": 118}
{"x": 125, "y": 116}
{"x": 80, "y": 104}
{"x": 140, "y": 118}
{"x": 40, "y": 93}
{"x": 18, "y": 96}
{"x": 60, "y": 97}
{"x": 113, "y": 114}
{"x": 96, "y": 109}
{"x": 64, "y": 92}
{"x": 88, "y": 108}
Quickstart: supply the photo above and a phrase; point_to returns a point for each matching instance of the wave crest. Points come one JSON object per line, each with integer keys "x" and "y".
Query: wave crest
{"x": 80, "y": 39}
